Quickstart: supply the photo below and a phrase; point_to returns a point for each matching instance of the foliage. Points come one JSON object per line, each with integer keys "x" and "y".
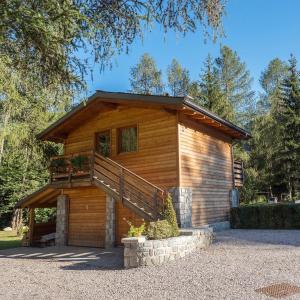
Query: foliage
{"x": 170, "y": 215}
{"x": 225, "y": 88}
{"x": 145, "y": 78}
{"x": 22, "y": 230}
{"x": 275, "y": 145}
{"x": 24, "y": 111}
{"x": 211, "y": 95}
{"x": 275, "y": 216}
{"x": 79, "y": 162}
{"x": 46, "y": 36}
{"x": 161, "y": 229}
{"x": 44, "y": 215}
{"x": 135, "y": 231}
{"x": 58, "y": 162}
{"x": 178, "y": 79}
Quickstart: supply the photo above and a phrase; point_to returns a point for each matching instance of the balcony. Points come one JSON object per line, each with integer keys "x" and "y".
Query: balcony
{"x": 71, "y": 169}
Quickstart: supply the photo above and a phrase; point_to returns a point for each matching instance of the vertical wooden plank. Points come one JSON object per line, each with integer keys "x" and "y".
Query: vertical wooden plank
{"x": 232, "y": 165}
{"x": 178, "y": 153}
{"x": 31, "y": 224}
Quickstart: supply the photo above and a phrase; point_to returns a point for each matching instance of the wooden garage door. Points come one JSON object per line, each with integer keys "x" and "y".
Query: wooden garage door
{"x": 87, "y": 217}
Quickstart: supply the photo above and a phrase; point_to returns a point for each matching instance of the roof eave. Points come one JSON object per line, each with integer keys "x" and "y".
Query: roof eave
{"x": 188, "y": 102}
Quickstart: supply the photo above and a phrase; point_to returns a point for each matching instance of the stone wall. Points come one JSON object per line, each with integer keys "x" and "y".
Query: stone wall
{"x": 110, "y": 222}
{"x": 182, "y": 201}
{"x": 62, "y": 213}
{"x": 141, "y": 252}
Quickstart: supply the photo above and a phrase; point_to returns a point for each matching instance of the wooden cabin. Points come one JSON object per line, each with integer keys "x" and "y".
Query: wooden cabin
{"x": 122, "y": 153}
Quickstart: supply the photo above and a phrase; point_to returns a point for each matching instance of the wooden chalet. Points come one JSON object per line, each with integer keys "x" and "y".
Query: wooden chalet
{"x": 122, "y": 153}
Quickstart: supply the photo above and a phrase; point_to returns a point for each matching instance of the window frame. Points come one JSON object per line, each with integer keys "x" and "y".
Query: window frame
{"x": 119, "y": 142}
{"x": 109, "y": 131}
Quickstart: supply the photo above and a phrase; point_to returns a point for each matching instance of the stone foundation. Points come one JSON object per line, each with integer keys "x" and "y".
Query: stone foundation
{"x": 110, "y": 222}
{"x": 62, "y": 213}
{"x": 141, "y": 252}
{"x": 182, "y": 201}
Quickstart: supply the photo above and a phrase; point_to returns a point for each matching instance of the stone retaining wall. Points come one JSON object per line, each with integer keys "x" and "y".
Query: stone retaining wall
{"x": 141, "y": 252}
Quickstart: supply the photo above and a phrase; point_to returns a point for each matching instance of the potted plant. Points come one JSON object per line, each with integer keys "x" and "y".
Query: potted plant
{"x": 80, "y": 164}
{"x": 58, "y": 165}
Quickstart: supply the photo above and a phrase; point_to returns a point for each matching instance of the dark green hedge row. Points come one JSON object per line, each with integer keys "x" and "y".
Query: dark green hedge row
{"x": 272, "y": 216}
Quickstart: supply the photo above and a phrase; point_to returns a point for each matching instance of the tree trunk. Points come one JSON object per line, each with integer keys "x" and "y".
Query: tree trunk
{"x": 17, "y": 219}
{"x": 2, "y": 141}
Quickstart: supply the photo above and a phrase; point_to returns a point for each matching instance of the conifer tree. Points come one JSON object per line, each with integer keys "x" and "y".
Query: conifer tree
{"x": 145, "y": 78}
{"x": 178, "y": 79}
{"x": 211, "y": 94}
{"x": 235, "y": 84}
{"x": 288, "y": 119}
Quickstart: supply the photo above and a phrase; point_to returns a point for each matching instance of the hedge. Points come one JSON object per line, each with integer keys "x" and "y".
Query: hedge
{"x": 269, "y": 216}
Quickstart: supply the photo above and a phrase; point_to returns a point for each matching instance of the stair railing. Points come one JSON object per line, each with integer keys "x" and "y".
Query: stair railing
{"x": 127, "y": 185}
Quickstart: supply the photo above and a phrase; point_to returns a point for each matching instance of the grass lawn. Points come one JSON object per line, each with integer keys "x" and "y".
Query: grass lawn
{"x": 9, "y": 239}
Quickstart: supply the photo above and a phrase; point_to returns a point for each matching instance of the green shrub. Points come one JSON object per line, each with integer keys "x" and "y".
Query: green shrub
{"x": 159, "y": 230}
{"x": 135, "y": 231}
{"x": 269, "y": 216}
{"x": 170, "y": 215}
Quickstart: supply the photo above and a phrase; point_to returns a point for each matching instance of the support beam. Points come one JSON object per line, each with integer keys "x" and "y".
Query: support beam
{"x": 110, "y": 222}
{"x": 31, "y": 225}
{"x": 62, "y": 220}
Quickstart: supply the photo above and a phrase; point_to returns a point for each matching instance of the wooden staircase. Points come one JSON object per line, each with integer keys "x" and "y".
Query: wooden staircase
{"x": 136, "y": 193}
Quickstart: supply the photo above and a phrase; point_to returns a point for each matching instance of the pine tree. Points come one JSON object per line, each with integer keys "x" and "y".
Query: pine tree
{"x": 211, "y": 94}
{"x": 178, "y": 79}
{"x": 145, "y": 78}
{"x": 270, "y": 81}
{"x": 235, "y": 84}
{"x": 288, "y": 118}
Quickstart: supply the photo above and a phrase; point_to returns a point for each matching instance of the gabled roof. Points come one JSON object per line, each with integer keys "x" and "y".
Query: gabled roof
{"x": 103, "y": 101}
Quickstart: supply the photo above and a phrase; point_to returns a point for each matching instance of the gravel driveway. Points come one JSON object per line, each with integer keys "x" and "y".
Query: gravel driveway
{"x": 239, "y": 262}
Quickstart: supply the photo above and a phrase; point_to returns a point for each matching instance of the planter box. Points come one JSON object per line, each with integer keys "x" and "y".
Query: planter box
{"x": 142, "y": 252}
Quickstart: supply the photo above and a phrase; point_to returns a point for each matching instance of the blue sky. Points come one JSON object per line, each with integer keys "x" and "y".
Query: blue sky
{"x": 259, "y": 30}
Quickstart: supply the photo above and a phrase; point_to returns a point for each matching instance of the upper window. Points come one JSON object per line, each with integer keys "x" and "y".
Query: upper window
{"x": 103, "y": 143}
{"x": 127, "y": 139}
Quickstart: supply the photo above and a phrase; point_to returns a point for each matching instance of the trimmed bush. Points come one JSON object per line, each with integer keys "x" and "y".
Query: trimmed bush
{"x": 170, "y": 215}
{"x": 159, "y": 230}
{"x": 269, "y": 216}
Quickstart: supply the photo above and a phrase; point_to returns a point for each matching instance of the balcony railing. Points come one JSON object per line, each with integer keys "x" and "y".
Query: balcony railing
{"x": 238, "y": 170}
{"x": 70, "y": 167}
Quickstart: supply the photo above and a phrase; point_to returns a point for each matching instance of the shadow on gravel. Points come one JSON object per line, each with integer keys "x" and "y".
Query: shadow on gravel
{"x": 259, "y": 237}
{"x": 81, "y": 258}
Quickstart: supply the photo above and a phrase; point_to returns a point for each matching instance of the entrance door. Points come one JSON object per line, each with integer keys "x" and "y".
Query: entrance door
{"x": 103, "y": 143}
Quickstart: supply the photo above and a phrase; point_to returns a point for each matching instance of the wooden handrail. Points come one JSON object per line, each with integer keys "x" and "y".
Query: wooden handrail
{"x": 140, "y": 194}
{"x": 146, "y": 194}
{"x": 128, "y": 171}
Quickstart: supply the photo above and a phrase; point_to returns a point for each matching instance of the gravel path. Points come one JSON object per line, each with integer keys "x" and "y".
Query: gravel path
{"x": 239, "y": 262}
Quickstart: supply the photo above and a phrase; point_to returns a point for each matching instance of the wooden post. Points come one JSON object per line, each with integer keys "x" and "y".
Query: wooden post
{"x": 92, "y": 164}
{"x": 121, "y": 183}
{"x": 156, "y": 203}
{"x": 31, "y": 225}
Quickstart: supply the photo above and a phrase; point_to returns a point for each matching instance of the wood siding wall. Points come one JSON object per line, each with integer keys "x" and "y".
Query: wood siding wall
{"x": 206, "y": 166}
{"x": 156, "y": 160}
{"x": 86, "y": 216}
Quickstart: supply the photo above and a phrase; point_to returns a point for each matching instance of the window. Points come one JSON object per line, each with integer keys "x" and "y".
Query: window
{"x": 102, "y": 143}
{"x": 127, "y": 139}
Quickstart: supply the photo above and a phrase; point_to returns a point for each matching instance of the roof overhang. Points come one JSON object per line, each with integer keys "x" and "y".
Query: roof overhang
{"x": 44, "y": 197}
{"x": 105, "y": 101}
